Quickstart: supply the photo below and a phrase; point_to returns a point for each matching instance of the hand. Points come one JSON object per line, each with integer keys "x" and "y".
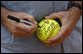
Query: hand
{"x": 21, "y": 29}
{"x": 68, "y": 20}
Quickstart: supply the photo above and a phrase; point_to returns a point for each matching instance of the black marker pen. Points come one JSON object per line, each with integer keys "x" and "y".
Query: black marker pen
{"x": 19, "y": 20}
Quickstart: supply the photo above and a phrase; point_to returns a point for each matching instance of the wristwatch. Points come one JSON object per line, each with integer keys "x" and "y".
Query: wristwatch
{"x": 74, "y": 5}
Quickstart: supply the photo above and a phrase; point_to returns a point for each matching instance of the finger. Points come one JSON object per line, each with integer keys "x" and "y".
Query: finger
{"x": 55, "y": 15}
{"x": 21, "y": 30}
{"x": 30, "y": 18}
{"x": 25, "y": 27}
{"x": 20, "y": 33}
{"x": 54, "y": 44}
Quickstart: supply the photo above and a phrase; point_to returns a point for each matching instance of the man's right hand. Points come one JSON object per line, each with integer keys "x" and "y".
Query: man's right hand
{"x": 20, "y": 29}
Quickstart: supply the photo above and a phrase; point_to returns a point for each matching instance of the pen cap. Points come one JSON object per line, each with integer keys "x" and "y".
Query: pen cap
{"x": 13, "y": 18}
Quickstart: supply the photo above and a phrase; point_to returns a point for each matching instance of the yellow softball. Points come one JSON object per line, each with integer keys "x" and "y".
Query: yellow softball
{"x": 47, "y": 29}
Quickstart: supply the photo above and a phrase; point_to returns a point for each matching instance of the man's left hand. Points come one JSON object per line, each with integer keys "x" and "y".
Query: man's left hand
{"x": 68, "y": 20}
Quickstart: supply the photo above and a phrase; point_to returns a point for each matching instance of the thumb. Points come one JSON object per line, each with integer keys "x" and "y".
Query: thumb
{"x": 53, "y": 16}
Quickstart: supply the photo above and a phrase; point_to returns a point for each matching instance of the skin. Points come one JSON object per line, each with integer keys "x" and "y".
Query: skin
{"x": 18, "y": 29}
{"x": 69, "y": 19}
